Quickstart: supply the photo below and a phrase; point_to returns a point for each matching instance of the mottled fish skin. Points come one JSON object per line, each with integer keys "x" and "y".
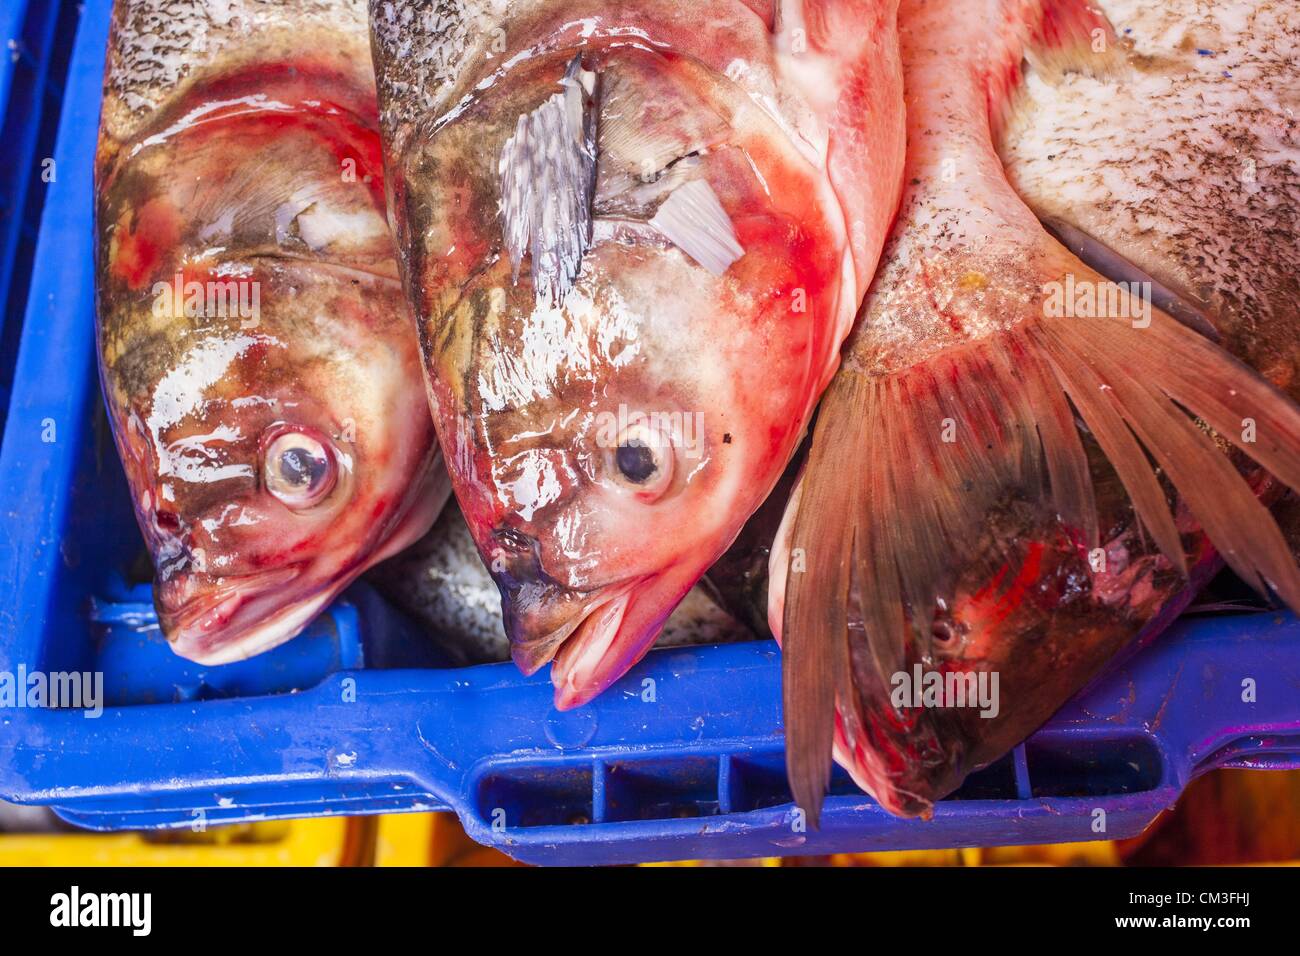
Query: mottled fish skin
{"x": 748, "y": 164}
{"x": 256, "y": 354}
{"x": 1009, "y": 522}
{"x": 1185, "y": 160}
{"x": 441, "y": 582}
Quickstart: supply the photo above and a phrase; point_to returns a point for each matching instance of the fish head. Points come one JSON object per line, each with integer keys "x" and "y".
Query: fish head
{"x": 627, "y": 279}
{"x": 1023, "y": 629}
{"x": 262, "y": 493}
{"x": 261, "y": 374}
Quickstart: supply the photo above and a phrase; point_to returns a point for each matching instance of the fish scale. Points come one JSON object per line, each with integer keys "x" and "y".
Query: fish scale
{"x": 1186, "y": 162}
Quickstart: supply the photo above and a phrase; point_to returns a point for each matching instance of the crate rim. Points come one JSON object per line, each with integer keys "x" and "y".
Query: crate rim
{"x": 399, "y": 733}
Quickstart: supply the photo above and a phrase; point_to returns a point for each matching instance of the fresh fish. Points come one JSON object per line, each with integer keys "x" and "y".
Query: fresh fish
{"x": 1020, "y": 467}
{"x": 256, "y": 353}
{"x": 634, "y": 236}
{"x": 440, "y": 582}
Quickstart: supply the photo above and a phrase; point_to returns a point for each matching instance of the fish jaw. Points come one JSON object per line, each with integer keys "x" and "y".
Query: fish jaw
{"x": 592, "y": 636}
{"x": 616, "y": 635}
{"x": 219, "y": 621}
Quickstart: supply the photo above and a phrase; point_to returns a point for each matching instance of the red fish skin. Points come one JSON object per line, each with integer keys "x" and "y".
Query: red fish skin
{"x": 956, "y": 555}
{"x": 249, "y": 309}
{"x": 777, "y": 111}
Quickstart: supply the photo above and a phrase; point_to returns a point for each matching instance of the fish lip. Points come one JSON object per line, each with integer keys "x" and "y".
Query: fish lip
{"x": 906, "y": 770}
{"x": 224, "y": 601}
{"x": 530, "y": 654}
{"x": 539, "y": 612}
{"x": 590, "y": 642}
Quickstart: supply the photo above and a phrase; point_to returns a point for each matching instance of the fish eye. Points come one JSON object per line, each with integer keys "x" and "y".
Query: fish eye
{"x": 298, "y": 468}
{"x": 636, "y": 462}
{"x": 642, "y": 462}
{"x": 945, "y": 637}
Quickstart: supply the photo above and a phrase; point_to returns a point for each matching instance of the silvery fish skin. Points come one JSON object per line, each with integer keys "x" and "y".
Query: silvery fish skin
{"x": 440, "y": 582}
{"x": 256, "y": 354}
{"x": 634, "y": 235}
{"x": 1019, "y": 469}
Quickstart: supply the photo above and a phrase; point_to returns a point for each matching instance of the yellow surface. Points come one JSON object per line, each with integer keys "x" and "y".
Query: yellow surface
{"x": 1228, "y": 817}
{"x": 320, "y": 842}
{"x": 1065, "y": 854}
{"x": 430, "y": 839}
{"x": 427, "y": 839}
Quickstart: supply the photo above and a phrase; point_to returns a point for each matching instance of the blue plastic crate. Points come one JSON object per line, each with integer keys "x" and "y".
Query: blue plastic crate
{"x": 29, "y": 99}
{"x": 353, "y": 717}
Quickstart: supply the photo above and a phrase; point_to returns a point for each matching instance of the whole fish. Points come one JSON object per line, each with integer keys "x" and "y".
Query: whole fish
{"x": 1021, "y": 465}
{"x": 256, "y": 353}
{"x": 440, "y": 582}
{"x": 634, "y": 235}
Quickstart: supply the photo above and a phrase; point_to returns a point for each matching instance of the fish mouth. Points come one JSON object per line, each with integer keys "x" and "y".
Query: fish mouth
{"x": 905, "y": 771}
{"x": 229, "y": 622}
{"x": 608, "y": 633}
{"x": 213, "y": 607}
{"x": 592, "y": 636}
{"x": 583, "y": 635}
{"x": 542, "y": 616}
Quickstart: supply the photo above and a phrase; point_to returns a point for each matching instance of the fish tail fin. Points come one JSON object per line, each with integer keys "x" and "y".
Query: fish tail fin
{"x": 911, "y": 474}
{"x": 814, "y": 631}
{"x": 1166, "y": 391}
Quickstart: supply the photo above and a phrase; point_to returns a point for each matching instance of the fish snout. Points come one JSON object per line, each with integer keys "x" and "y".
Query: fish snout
{"x": 913, "y": 775}
{"x": 907, "y": 758}
{"x": 538, "y": 611}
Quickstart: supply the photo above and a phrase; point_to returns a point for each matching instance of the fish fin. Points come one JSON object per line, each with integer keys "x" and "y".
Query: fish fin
{"x": 908, "y": 470}
{"x": 812, "y": 668}
{"x": 693, "y": 219}
{"x": 646, "y": 128}
{"x": 1065, "y": 37}
{"x": 547, "y": 172}
{"x": 1178, "y": 303}
{"x": 1164, "y": 381}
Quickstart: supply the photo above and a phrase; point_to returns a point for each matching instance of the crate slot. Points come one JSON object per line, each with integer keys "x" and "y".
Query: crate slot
{"x": 757, "y": 781}
{"x": 997, "y": 781}
{"x": 542, "y": 795}
{"x": 666, "y": 789}
{"x": 1093, "y": 767}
